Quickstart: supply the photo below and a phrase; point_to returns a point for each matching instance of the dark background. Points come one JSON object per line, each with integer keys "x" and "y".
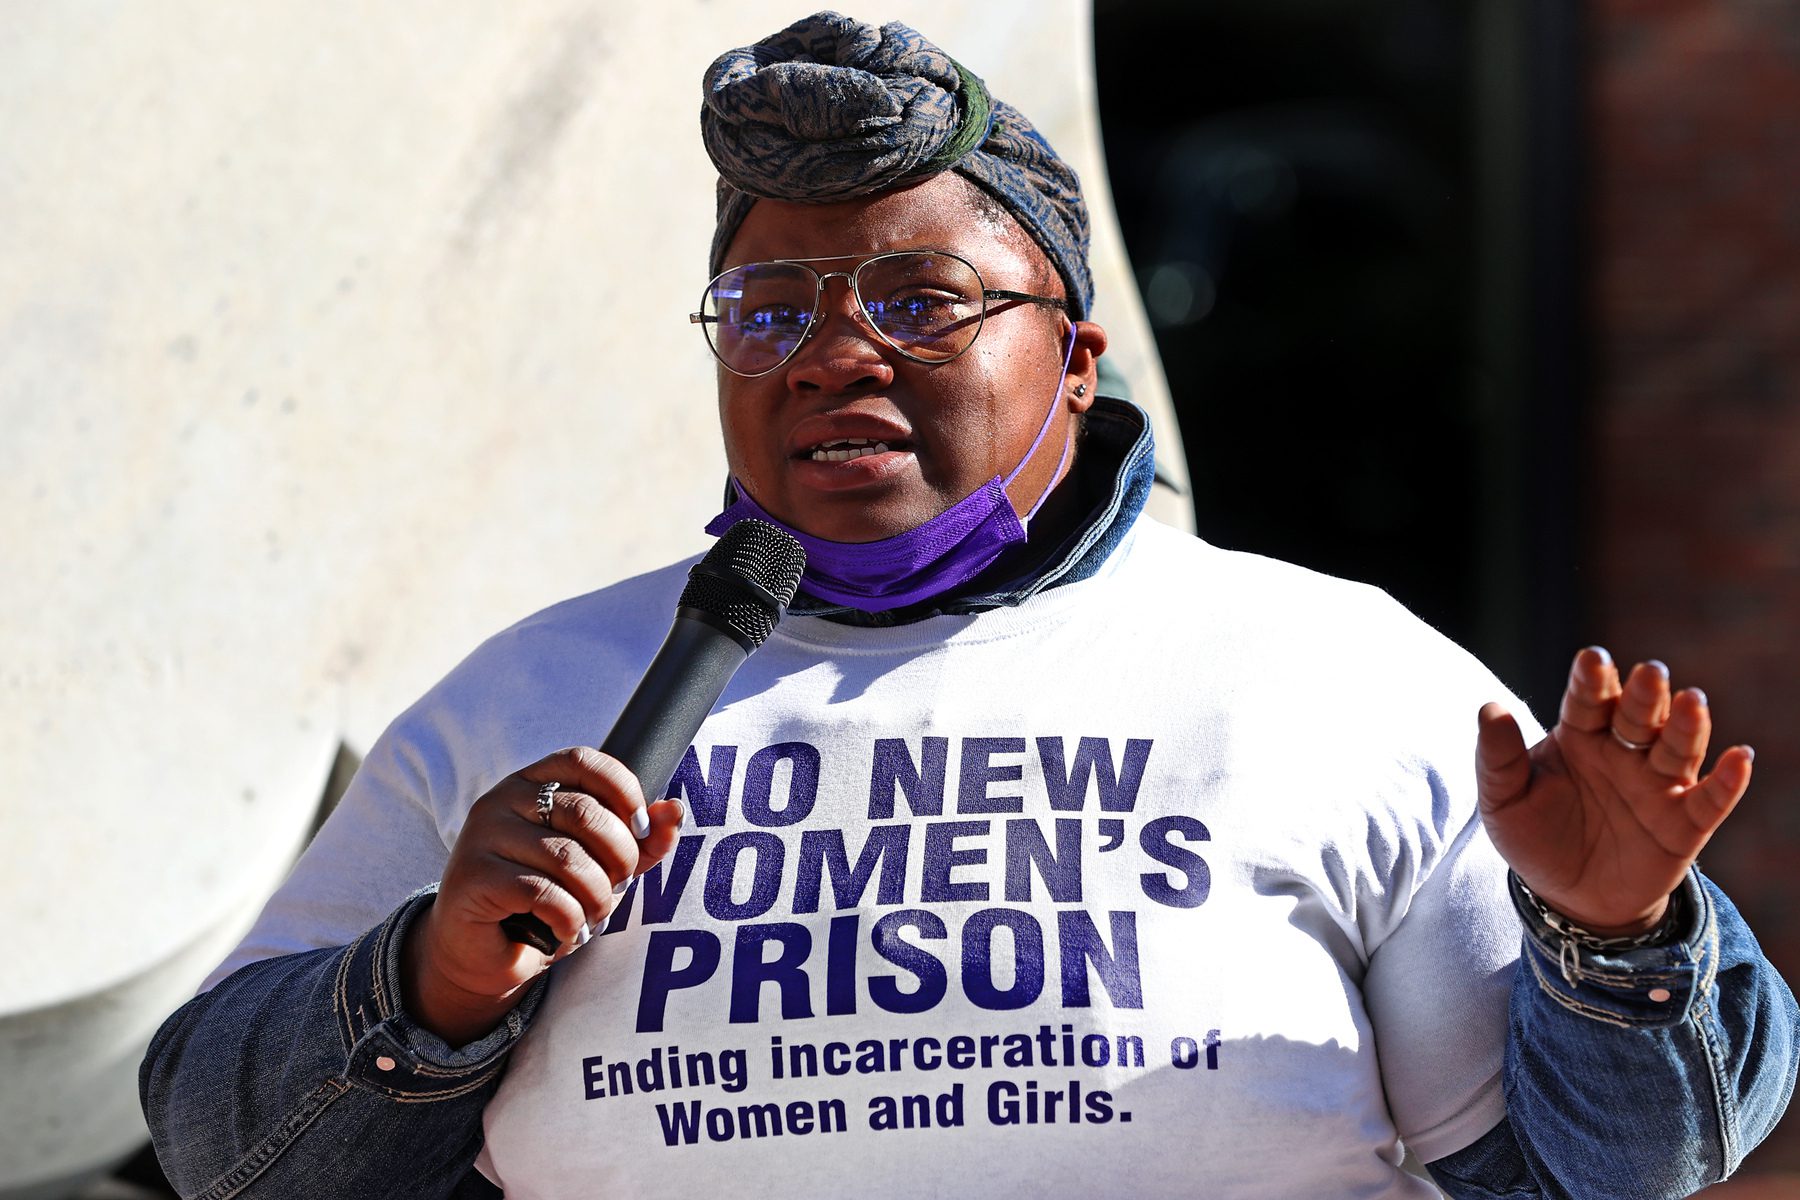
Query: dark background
{"x": 1323, "y": 202}
{"x": 1496, "y": 304}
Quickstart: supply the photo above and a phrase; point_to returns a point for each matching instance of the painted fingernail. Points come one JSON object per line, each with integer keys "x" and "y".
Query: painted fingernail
{"x": 1659, "y": 666}
{"x": 1605, "y": 658}
{"x": 619, "y": 888}
{"x": 681, "y": 807}
{"x": 640, "y": 823}
{"x": 1699, "y": 695}
{"x": 1750, "y": 753}
{"x": 583, "y": 936}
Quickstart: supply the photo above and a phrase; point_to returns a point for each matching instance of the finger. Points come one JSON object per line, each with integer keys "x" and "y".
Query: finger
{"x": 666, "y": 820}
{"x": 592, "y": 879}
{"x": 1643, "y": 706}
{"x": 514, "y": 888}
{"x": 1502, "y": 764}
{"x": 1681, "y": 748}
{"x": 598, "y": 832}
{"x": 599, "y": 775}
{"x": 1587, "y": 703}
{"x": 1710, "y": 801}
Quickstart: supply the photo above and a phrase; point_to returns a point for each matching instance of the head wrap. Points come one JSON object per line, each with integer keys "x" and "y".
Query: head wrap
{"x": 832, "y": 109}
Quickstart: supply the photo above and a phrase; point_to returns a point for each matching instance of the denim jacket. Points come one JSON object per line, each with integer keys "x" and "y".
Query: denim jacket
{"x": 1643, "y": 1074}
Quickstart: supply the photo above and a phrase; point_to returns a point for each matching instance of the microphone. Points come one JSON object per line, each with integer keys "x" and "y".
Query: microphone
{"x": 732, "y": 600}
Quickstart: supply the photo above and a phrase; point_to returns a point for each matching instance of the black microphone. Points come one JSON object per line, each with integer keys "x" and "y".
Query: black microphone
{"x": 732, "y": 600}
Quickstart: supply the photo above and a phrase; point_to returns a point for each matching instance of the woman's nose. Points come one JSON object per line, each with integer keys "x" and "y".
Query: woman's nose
{"x": 844, "y": 352}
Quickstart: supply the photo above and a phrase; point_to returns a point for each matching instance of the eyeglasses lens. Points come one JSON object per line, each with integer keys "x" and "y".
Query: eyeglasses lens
{"x": 928, "y": 306}
{"x": 756, "y": 314}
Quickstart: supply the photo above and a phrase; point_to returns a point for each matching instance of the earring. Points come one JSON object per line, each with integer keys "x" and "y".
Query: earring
{"x": 1080, "y": 390}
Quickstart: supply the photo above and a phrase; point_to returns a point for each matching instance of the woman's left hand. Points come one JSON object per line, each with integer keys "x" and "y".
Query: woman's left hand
{"x": 1604, "y": 816}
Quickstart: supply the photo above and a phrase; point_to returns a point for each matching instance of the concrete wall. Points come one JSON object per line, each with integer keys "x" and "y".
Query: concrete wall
{"x": 332, "y": 339}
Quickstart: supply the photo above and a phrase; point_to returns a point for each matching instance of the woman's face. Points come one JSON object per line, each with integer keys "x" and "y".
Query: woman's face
{"x": 949, "y": 427}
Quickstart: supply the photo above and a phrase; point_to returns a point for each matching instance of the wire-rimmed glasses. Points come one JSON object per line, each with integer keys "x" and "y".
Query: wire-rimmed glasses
{"x": 929, "y": 305}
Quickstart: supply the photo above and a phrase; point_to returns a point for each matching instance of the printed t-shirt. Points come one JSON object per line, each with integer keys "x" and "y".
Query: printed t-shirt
{"x": 1167, "y": 882}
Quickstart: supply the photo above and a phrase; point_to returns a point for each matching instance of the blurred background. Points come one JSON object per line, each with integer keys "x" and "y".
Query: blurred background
{"x": 1493, "y": 303}
{"x": 1496, "y": 304}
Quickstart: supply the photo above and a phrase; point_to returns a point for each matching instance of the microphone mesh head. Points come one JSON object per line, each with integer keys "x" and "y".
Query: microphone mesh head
{"x": 750, "y": 575}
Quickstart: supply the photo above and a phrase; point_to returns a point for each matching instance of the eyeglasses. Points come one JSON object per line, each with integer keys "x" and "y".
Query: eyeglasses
{"x": 929, "y": 305}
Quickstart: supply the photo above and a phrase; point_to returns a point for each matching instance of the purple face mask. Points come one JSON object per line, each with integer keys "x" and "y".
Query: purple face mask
{"x": 937, "y": 557}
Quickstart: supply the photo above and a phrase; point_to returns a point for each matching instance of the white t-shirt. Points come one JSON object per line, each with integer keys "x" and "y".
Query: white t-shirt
{"x": 1164, "y": 883}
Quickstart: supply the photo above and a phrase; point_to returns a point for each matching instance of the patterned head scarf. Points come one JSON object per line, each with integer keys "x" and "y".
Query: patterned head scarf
{"x": 831, "y": 109}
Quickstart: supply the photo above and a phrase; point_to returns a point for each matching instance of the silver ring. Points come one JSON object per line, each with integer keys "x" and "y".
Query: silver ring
{"x": 546, "y": 802}
{"x": 1627, "y": 742}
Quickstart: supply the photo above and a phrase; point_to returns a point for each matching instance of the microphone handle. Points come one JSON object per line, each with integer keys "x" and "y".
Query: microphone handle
{"x": 658, "y": 723}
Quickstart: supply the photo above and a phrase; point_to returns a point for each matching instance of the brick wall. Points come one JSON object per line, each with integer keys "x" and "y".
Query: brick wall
{"x": 1695, "y": 546}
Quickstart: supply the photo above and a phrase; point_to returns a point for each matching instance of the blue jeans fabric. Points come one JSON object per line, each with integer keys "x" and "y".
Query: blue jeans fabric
{"x": 1642, "y": 1074}
{"x": 302, "y": 1076}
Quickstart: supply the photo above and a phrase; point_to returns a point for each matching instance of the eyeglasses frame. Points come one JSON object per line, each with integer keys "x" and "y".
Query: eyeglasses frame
{"x": 849, "y": 277}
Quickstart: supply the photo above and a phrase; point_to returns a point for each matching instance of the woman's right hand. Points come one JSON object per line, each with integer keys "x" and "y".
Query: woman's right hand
{"x": 460, "y": 972}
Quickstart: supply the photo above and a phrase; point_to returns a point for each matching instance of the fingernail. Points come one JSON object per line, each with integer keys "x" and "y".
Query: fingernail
{"x": 1750, "y": 753}
{"x": 1699, "y": 695}
{"x": 681, "y": 807}
{"x": 619, "y": 888}
{"x": 640, "y": 823}
{"x": 1659, "y": 666}
{"x": 582, "y": 936}
{"x": 1605, "y": 658}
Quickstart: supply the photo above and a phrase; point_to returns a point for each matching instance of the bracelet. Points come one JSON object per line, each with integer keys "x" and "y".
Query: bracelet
{"x": 1573, "y": 935}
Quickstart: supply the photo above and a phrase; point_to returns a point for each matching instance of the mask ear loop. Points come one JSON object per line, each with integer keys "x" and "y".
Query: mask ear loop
{"x": 1043, "y": 430}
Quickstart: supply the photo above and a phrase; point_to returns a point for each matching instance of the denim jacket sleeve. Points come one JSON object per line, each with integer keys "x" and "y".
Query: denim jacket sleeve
{"x": 302, "y": 1076}
{"x": 1645, "y": 1074}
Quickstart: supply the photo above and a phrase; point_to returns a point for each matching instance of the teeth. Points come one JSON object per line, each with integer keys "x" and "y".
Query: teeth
{"x": 847, "y": 449}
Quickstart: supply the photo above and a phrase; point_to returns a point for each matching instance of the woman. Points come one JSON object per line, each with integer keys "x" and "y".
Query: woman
{"x": 1042, "y": 849}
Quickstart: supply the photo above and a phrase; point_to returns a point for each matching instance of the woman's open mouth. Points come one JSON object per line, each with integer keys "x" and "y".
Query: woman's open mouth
{"x": 845, "y": 449}
{"x": 842, "y": 463}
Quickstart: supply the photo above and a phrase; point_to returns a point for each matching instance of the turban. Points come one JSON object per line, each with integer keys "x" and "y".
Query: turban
{"x": 831, "y": 109}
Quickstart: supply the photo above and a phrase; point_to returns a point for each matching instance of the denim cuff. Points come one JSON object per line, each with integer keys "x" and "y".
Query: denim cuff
{"x": 391, "y": 1054}
{"x": 1645, "y": 987}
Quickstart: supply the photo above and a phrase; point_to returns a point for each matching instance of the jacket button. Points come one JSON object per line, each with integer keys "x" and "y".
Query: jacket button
{"x": 1659, "y": 994}
{"x": 385, "y": 1063}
